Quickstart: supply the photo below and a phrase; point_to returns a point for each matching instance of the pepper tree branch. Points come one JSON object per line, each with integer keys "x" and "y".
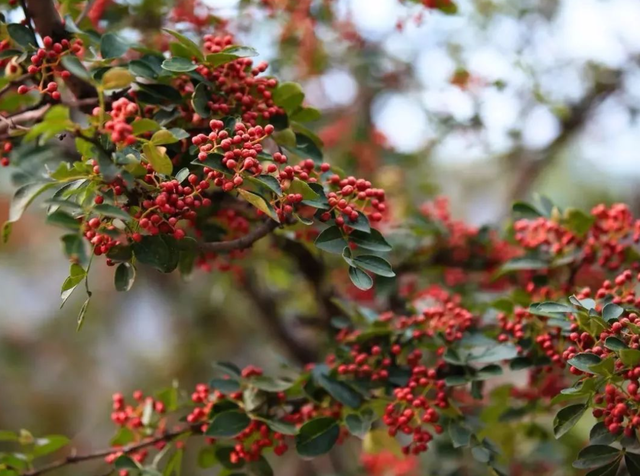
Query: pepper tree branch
{"x": 75, "y": 459}
{"x": 243, "y": 242}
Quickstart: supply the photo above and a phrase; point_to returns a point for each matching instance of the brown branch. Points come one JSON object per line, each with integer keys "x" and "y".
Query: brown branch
{"x": 75, "y": 459}
{"x": 243, "y": 242}
{"x": 16, "y": 120}
{"x": 47, "y": 22}
{"x": 531, "y": 164}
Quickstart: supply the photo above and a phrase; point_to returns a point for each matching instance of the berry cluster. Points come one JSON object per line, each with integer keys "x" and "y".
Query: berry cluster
{"x": 46, "y": 63}
{"x": 121, "y": 132}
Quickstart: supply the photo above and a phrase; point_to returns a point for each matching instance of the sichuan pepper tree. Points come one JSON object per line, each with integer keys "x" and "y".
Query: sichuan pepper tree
{"x": 183, "y": 157}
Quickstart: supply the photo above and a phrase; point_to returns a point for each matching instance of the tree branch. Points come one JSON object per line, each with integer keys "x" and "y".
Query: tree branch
{"x": 75, "y": 459}
{"x": 243, "y": 242}
{"x": 47, "y": 22}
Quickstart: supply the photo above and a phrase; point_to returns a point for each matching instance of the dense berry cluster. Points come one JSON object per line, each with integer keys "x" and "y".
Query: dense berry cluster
{"x": 46, "y": 66}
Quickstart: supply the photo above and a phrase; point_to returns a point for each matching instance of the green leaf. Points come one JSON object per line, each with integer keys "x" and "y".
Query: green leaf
{"x": 600, "y": 435}
{"x": 595, "y": 456}
{"x": 604, "y": 368}
{"x": 610, "y": 469}
{"x": 630, "y": 357}
{"x": 82, "y": 314}
{"x": 302, "y": 188}
{"x": 49, "y": 444}
{"x": 288, "y": 96}
{"x": 142, "y": 125}
{"x": 73, "y": 64}
{"x": 158, "y": 159}
{"x": 11, "y": 53}
{"x": 340, "y": 391}
{"x": 523, "y": 263}
{"x": 578, "y": 221}
{"x": 225, "y": 385}
{"x": 112, "y": 211}
{"x": 361, "y": 223}
{"x": 632, "y": 462}
{"x": 174, "y": 465}
{"x": 122, "y": 437}
{"x": 260, "y": 203}
{"x": 373, "y": 241}
{"x": 228, "y": 368}
{"x": 460, "y": 435}
{"x": 23, "y": 197}
{"x": 112, "y": 47}
{"x": 375, "y": 264}
{"x": 306, "y": 114}
{"x": 357, "y": 425}
{"x": 331, "y": 240}
{"x": 229, "y": 54}
{"x": 178, "y": 65}
{"x": 269, "y": 384}
{"x": 143, "y": 69}
{"x": 63, "y": 219}
{"x": 283, "y": 427}
{"x": 124, "y": 277}
{"x": 611, "y": 311}
{"x": 550, "y": 307}
{"x": 125, "y": 462}
{"x": 157, "y": 251}
{"x": 584, "y": 361}
{"x": 525, "y": 210}
{"x": 360, "y": 279}
{"x": 496, "y": 353}
{"x": 261, "y": 467}
{"x": 316, "y": 437}
{"x": 269, "y": 181}
{"x": 22, "y": 35}
{"x": 76, "y": 276}
{"x": 228, "y": 424}
{"x": 191, "y": 46}
{"x": 488, "y": 371}
{"x": 163, "y": 136}
{"x": 116, "y": 78}
{"x": 200, "y": 100}
{"x": 306, "y": 146}
{"x": 566, "y": 418}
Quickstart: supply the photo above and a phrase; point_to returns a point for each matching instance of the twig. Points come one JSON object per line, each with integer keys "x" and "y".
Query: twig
{"x": 14, "y": 121}
{"x": 243, "y": 242}
{"x": 12, "y": 125}
{"x": 74, "y": 459}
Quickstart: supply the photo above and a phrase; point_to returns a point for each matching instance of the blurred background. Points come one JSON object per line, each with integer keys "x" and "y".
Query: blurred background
{"x": 501, "y": 100}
